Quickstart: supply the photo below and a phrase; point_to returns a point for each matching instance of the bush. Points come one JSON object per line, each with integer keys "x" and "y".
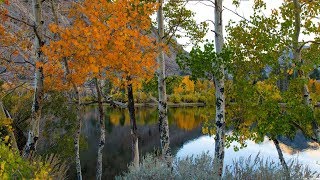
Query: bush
{"x": 151, "y": 168}
{"x": 119, "y": 96}
{"x": 201, "y": 167}
{"x": 175, "y": 98}
{"x": 189, "y": 98}
{"x": 13, "y": 166}
{"x": 141, "y": 97}
{"x": 258, "y": 168}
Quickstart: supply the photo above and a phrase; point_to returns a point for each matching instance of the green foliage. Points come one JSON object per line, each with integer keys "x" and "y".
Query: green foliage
{"x": 178, "y": 17}
{"x": 175, "y": 98}
{"x": 13, "y": 166}
{"x": 151, "y": 86}
{"x": 141, "y": 97}
{"x": 19, "y": 105}
{"x": 258, "y": 105}
{"x": 205, "y": 63}
{"x": 60, "y": 126}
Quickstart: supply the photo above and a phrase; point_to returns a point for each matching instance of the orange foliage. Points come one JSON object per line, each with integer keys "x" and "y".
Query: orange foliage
{"x": 106, "y": 39}
{"x": 187, "y": 86}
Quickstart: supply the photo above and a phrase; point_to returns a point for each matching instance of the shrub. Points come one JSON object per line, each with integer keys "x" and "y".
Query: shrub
{"x": 258, "y": 168}
{"x": 201, "y": 167}
{"x": 13, "y": 166}
{"x": 141, "y": 97}
{"x": 151, "y": 168}
{"x": 119, "y": 96}
{"x": 189, "y": 98}
{"x": 175, "y": 98}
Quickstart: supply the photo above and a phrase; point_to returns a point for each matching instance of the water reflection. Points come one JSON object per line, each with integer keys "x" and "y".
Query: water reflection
{"x": 185, "y": 125}
{"x": 185, "y": 138}
{"x": 310, "y": 157}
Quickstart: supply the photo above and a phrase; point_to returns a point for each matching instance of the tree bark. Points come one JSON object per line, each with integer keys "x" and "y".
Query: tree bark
{"x": 78, "y": 121}
{"x": 77, "y": 135}
{"x": 75, "y": 92}
{"x": 297, "y": 59}
{"x": 162, "y": 101}
{"x": 133, "y": 125}
{"x": 33, "y": 134}
{"x": 281, "y": 158}
{"x": 220, "y": 96}
{"x": 102, "y": 131}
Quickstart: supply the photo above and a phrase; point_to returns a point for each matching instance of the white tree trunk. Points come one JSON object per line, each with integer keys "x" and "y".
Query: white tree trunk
{"x": 33, "y": 134}
{"x": 102, "y": 139}
{"x": 298, "y": 60}
{"x": 77, "y": 135}
{"x": 220, "y": 96}
{"x": 78, "y": 121}
{"x": 162, "y": 101}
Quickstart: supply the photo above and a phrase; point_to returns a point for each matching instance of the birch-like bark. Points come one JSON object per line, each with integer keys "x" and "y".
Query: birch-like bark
{"x": 77, "y": 135}
{"x": 297, "y": 59}
{"x": 102, "y": 139}
{"x": 281, "y": 158}
{"x": 78, "y": 121}
{"x": 162, "y": 101}
{"x": 133, "y": 126}
{"x": 220, "y": 96}
{"x": 33, "y": 134}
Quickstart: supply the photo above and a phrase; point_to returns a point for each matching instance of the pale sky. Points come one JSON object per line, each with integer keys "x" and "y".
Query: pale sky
{"x": 204, "y": 12}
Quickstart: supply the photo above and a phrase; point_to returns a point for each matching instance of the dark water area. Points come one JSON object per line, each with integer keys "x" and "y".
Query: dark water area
{"x": 186, "y": 139}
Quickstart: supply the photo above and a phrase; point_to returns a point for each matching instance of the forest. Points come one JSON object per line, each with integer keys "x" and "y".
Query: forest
{"x": 150, "y": 89}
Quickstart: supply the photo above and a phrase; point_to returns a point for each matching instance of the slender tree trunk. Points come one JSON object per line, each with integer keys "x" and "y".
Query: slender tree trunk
{"x": 77, "y": 135}
{"x": 298, "y": 60}
{"x": 281, "y": 158}
{"x": 102, "y": 131}
{"x": 78, "y": 121}
{"x": 133, "y": 125}
{"x": 75, "y": 92}
{"x": 33, "y": 134}
{"x": 162, "y": 101}
{"x": 220, "y": 97}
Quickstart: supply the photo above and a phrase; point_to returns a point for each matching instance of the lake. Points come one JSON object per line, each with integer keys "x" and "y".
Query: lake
{"x": 185, "y": 137}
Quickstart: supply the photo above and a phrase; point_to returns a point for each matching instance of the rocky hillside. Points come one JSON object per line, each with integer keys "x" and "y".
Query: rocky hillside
{"x": 21, "y": 17}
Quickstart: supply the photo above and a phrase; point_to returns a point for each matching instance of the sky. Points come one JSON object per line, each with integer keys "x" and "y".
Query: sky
{"x": 203, "y": 13}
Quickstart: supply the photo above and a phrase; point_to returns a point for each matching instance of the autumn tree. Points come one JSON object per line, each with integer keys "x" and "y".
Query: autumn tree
{"x": 106, "y": 40}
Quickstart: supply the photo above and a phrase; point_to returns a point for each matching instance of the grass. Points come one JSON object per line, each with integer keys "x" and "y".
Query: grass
{"x": 201, "y": 167}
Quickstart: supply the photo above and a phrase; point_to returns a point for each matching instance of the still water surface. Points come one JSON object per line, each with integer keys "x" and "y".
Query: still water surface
{"x": 185, "y": 136}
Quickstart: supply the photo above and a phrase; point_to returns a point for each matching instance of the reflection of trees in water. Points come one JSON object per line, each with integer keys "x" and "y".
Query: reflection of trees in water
{"x": 117, "y": 151}
{"x": 186, "y": 119}
{"x": 183, "y": 118}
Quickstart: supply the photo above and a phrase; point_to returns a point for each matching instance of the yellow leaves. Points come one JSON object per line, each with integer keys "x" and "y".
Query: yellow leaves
{"x": 268, "y": 90}
{"x": 6, "y": 139}
{"x": 290, "y": 71}
{"x": 187, "y": 86}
